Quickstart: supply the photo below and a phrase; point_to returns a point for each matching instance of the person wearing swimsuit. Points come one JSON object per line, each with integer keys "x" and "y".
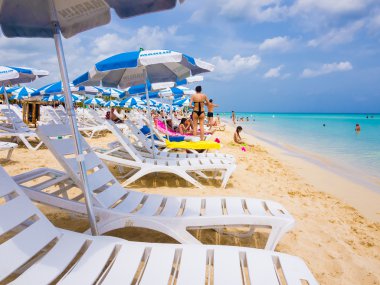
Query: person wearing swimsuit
{"x": 199, "y": 99}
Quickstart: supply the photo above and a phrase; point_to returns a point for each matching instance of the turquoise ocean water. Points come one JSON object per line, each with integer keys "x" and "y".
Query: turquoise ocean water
{"x": 336, "y": 143}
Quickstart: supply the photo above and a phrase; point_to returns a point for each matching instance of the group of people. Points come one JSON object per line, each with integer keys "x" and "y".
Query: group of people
{"x": 198, "y": 102}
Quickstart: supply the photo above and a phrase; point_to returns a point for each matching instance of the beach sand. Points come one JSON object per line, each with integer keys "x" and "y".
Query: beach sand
{"x": 337, "y": 229}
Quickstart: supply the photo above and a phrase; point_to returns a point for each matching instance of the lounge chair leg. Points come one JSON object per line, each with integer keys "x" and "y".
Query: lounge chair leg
{"x": 10, "y": 151}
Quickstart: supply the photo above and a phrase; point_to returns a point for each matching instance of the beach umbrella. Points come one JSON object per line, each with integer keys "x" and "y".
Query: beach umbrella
{"x": 74, "y": 98}
{"x": 182, "y": 102}
{"x": 94, "y": 101}
{"x": 10, "y": 75}
{"x": 4, "y": 89}
{"x": 47, "y": 19}
{"x": 112, "y": 103}
{"x": 143, "y": 67}
{"x": 57, "y": 88}
{"x": 155, "y": 87}
{"x": 21, "y": 92}
{"x": 112, "y": 92}
{"x": 131, "y": 101}
{"x": 51, "y": 98}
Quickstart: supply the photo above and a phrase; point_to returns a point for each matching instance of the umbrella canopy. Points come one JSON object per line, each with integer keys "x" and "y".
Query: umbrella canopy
{"x": 51, "y": 98}
{"x": 112, "y": 92}
{"x": 112, "y": 103}
{"x": 56, "y": 88}
{"x": 94, "y": 101}
{"x": 74, "y": 98}
{"x": 138, "y": 67}
{"x": 20, "y": 18}
{"x": 19, "y": 93}
{"x": 4, "y": 89}
{"x": 16, "y": 75}
{"x": 176, "y": 91}
{"x": 132, "y": 101}
{"x": 154, "y": 87}
{"x": 182, "y": 102}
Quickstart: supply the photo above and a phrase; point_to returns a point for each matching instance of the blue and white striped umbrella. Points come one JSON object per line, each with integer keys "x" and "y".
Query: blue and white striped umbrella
{"x": 51, "y": 98}
{"x": 94, "y": 101}
{"x": 112, "y": 92}
{"x": 131, "y": 101}
{"x": 20, "y": 93}
{"x": 112, "y": 103}
{"x": 176, "y": 91}
{"x": 154, "y": 88}
{"x": 4, "y": 89}
{"x": 138, "y": 67}
{"x": 75, "y": 98}
{"x": 56, "y": 88}
{"x": 16, "y": 75}
{"x": 182, "y": 102}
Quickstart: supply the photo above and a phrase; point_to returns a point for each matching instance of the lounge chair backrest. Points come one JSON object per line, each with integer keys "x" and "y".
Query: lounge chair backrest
{"x": 53, "y": 115}
{"x": 15, "y": 119}
{"x": 103, "y": 185}
{"x": 139, "y": 135}
{"x": 24, "y": 230}
{"x": 124, "y": 141}
{"x": 62, "y": 115}
{"x": 95, "y": 116}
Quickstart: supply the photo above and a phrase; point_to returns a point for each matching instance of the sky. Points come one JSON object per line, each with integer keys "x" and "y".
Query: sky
{"x": 269, "y": 55}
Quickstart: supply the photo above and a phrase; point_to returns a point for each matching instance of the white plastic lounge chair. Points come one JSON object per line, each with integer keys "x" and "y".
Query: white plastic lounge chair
{"x": 179, "y": 167}
{"x": 8, "y": 147}
{"x": 53, "y": 116}
{"x": 93, "y": 120}
{"x": 17, "y": 128}
{"x": 36, "y": 252}
{"x": 117, "y": 207}
{"x": 147, "y": 147}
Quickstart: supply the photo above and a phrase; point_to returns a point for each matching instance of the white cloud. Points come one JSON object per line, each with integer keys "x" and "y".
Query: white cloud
{"x": 147, "y": 37}
{"x": 258, "y": 10}
{"x": 226, "y": 69}
{"x": 274, "y": 72}
{"x": 337, "y": 36}
{"x": 327, "y": 68}
{"x": 329, "y": 6}
{"x": 276, "y": 43}
{"x": 199, "y": 16}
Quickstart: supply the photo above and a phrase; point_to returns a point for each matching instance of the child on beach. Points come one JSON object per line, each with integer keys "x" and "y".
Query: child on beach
{"x": 238, "y": 139}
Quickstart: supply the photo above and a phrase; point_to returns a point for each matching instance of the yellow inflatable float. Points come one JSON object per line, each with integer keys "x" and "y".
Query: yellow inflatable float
{"x": 193, "y": 145}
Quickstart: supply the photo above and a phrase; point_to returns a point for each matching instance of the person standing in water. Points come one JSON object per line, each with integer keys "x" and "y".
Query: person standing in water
{"x": 357, "y": 128}
{"x": 210, "y": 112}
{"x": 199, "y": 99}
{"x": 233, "y": 117}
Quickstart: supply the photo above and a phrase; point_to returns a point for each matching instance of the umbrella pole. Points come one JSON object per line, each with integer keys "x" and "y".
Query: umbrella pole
{"x": 9, "y": 107}
{"x": 149, "y": 113}
{"x": 74, "y": 127}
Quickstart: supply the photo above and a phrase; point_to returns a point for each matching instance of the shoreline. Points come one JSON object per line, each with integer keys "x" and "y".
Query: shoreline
{"x": 358, "y": 192}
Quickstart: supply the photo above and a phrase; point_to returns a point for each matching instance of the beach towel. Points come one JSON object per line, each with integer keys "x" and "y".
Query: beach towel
{"x": 193, "y": 145}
